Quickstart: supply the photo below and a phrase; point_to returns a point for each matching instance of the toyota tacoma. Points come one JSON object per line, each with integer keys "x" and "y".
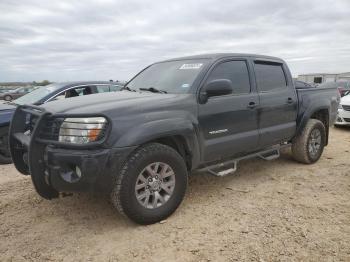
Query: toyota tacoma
{"x": 198, "y": 113}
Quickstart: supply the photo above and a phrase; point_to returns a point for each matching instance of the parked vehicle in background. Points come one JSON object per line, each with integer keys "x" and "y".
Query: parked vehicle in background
{"x": 300, "y": 84}
{"x": 346, "y": 93}
{"x": 4, "y": 90}
{"x": 202, "y": 113}
{"x": 343, "y": 86}
{"x": 13, "y": 94}
{"x": 43, "y": 95}
{"x": 343, "y": 118}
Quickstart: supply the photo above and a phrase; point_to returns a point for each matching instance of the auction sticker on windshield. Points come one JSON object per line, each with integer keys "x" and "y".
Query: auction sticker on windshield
{"x": 191, "y": 66}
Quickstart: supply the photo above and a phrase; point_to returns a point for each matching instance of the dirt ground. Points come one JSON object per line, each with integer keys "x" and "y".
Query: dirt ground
{"x": 267, "y": 211}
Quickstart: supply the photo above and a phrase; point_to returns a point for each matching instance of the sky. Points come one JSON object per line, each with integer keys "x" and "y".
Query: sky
{"x": 69, "y": 40}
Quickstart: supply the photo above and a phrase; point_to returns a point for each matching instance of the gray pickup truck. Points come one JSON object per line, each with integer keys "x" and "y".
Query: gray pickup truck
{"x": 198, "y": 113}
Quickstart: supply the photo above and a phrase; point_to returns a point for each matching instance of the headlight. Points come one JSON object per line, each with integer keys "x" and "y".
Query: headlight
{"x": 82, "y": 130}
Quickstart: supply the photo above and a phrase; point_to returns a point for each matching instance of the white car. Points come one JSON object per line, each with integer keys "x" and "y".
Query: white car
{"x": 343, "y": 118}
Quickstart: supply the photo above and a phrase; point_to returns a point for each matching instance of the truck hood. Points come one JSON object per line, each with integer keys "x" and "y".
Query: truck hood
{"x": 114, "y": 102}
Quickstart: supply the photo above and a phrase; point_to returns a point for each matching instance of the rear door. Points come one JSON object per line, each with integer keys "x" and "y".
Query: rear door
{"x": 278, "y": 102}
{"x": 229, "y": 123}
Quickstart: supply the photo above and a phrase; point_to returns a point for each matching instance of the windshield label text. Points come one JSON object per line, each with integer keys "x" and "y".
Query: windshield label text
{"x": 191, "y": 66}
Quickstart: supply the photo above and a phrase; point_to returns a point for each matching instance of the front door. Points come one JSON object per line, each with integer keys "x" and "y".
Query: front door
{"x": 229, "y": 123}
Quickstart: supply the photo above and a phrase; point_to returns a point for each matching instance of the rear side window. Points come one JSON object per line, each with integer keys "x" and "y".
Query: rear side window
{"x": 236, "y": 71}
{"x": 269, "y": 76}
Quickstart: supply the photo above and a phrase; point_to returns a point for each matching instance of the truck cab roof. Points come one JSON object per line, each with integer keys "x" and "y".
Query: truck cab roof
{"x": 217, "y": 56}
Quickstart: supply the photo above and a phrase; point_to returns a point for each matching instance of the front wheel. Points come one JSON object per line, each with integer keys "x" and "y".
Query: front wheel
{"x": 307, "y": 148}
{"x": 151, "y": 184}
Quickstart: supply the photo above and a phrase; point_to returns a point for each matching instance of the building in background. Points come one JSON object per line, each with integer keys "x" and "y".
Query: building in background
{"x": 323, "y": 78}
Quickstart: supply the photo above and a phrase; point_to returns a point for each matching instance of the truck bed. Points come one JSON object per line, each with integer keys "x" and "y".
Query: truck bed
{"x": 315, "y": 99}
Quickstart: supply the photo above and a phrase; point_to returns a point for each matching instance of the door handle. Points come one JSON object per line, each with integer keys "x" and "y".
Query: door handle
{"x": 289, "y": 100}
{"x": 251, "y": 105}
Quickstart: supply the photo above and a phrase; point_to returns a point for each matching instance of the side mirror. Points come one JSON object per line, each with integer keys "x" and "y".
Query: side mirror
{"x": 218, "y": 87}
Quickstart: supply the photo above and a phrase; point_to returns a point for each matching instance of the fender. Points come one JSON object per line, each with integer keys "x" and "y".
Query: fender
{"x": 307, "y": 115}
{"x": 162, "y": 128}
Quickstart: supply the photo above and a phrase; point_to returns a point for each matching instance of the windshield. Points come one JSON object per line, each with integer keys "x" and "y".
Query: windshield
{"x": 36, "y": 95}
{"x": 175, "y": 77}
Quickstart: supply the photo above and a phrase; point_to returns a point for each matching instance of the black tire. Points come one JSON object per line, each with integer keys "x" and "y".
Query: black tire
{"x": 5, "y": 156}
{"x": 123, "y": 194}
{"x": 301, "y": 145}
{"x": 7, "y": 98}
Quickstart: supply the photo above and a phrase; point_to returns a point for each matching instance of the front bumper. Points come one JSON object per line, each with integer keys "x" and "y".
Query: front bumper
{"x": 68, "y": 170}
{"x": 56, "y": 167}
{"x": 343, "y": 118}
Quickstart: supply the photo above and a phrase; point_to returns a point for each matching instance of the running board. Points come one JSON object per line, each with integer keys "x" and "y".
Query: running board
{"x": 231, "y": 165}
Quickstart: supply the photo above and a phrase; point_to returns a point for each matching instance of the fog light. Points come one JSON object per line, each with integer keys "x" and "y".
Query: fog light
{"x": 71, "y": 174}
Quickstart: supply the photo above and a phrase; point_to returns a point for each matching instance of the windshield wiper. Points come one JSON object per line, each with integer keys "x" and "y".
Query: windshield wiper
{"x": 153, "y": 90}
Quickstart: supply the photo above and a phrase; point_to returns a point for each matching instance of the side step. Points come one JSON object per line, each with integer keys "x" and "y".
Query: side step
{"x": 218, "y": 169}
{"x": 271, "y": 155}
{"x": 230, "y": 166}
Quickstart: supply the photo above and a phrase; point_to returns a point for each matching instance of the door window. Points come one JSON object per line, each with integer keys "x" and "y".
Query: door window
{"x": 103, "y": 88}
{"x": 236, "y": 71}
{"x": 108, "y": 88}
{"x": 269, "y": 76}
{"x": 78, "y": 91}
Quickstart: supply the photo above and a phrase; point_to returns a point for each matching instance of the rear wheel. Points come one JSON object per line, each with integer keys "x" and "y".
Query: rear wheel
{"x": 7, "y": 98}
{"x": 151, "y": 184}
{"x": 307, "y": 148}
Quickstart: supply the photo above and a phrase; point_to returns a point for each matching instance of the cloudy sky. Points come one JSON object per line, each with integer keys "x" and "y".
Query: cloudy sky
{"x": 110, "y": 39}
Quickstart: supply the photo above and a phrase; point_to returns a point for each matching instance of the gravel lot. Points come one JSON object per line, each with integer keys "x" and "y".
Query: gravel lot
{"x": 266, "y": 211}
